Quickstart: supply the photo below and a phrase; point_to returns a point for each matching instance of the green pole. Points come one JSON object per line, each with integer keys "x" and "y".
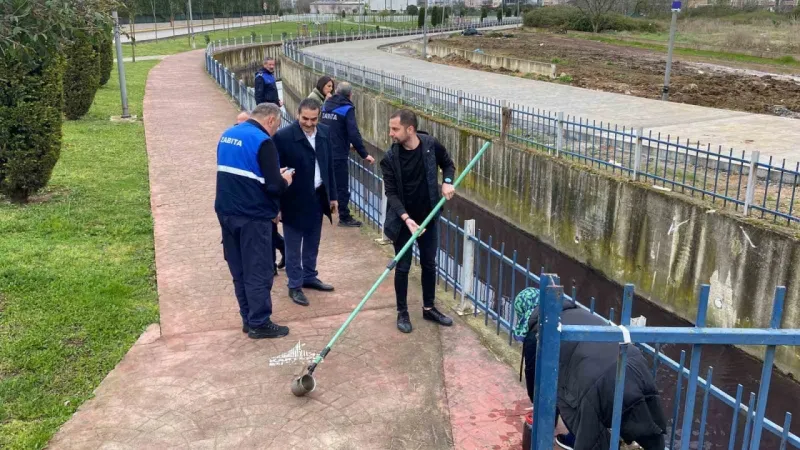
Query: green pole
{"x": 394, "y": 261}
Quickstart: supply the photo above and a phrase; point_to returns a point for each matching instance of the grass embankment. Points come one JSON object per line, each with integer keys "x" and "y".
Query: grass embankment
{"x": 178, "y": 44}
{"x": 77, "y": 272}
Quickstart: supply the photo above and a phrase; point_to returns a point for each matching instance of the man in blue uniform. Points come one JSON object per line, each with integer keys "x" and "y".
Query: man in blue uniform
{"x": 339, "y": 114}
{"x": 305, "y": 146}
{"x": 249, "y": 185}
{"x": 266, "y": 86}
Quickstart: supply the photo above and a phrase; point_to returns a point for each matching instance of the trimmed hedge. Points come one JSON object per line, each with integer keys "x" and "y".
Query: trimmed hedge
{"x": 30, "y": 141}
{"x": 82, "y": 78}
{"x": 105, "y": 48}
{"x": 571, "y": 18}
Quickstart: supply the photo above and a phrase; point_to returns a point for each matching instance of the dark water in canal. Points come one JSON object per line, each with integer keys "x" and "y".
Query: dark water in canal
{"x": 731, "y": 366}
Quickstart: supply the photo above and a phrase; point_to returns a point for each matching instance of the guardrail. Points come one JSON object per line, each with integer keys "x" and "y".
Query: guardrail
{"x": 746, "y": 183}
{"x": 486, "y": 279}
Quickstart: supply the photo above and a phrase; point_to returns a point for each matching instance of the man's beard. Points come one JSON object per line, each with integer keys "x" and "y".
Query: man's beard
{"x": 398, "y": 141}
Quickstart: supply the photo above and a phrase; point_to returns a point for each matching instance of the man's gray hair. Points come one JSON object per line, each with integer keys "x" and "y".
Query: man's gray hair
{"x": 344, "y": 88}
{"x": 268, "y": 59}
{"x": 264, "y": 110}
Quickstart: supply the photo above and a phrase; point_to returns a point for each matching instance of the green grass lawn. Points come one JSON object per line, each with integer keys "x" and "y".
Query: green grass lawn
{"x": 170, "y": 46}
{"x": 77, "y": 272}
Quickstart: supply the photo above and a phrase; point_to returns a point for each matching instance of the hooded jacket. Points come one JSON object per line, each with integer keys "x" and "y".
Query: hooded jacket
{"x": 586, "y": 383}
{"x": 317, "y": 95}
{"x": 339, "y": 114}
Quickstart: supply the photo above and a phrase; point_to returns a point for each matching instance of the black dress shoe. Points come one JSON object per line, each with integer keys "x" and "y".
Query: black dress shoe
{"x": 268, "y": 331}
{"x": 403, "y": 322}
{"x": 349, "y": 222}
{"x": 245, "y": 328}
{"x": 318, "y": 286}
{"x": 434, "y": 315}
{"x": 282, "y": 263}
{"x": 298, "y": 297}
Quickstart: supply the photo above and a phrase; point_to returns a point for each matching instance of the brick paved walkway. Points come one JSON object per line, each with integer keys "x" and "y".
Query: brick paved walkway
{"x": 199, "y": 382}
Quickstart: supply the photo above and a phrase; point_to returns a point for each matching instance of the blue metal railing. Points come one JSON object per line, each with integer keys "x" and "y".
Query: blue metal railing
{"x": 745, "y": 183}
{"x": 496, "y": 280}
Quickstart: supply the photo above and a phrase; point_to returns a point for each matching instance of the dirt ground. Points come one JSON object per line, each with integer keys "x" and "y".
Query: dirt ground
{"x": 640, "y": 72}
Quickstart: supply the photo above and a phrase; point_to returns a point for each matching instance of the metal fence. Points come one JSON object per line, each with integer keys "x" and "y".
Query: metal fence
{"x": 486, "y": 277}
{"x": 747, "y": 183}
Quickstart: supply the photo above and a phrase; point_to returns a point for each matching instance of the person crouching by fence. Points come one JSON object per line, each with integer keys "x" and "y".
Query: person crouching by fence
{"x": 586, "y": 383}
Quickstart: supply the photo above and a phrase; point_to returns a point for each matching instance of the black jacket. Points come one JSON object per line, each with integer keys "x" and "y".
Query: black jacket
{"x": 339, "y": 114}
{"x": 393, "y": 182}
{"x": 300, "y": 198}
{"x": 586, "y": 377}
{"x": 266, "y": 87}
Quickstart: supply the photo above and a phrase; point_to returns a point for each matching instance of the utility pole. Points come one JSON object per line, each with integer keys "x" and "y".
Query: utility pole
{"x": 425, "y": 31}
{"x": 191, "y": 25}
{"x": 676, "y": 7}
{"x": 123, "y": 91}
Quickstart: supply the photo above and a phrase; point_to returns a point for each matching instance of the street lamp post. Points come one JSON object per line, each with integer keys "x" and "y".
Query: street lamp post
{"x": 123, "y": 91}
{"x": 191, "y": 24}
{"x": 425, "y": 31}
{"x": 676, "y": 7}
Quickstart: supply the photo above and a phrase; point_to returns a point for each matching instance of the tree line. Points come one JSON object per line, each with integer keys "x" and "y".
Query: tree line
{"x": 54, "y": 56}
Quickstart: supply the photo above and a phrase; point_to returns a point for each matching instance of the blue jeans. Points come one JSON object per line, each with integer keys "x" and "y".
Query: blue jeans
{"x": 247, "y": 246}
{"x": 302, "y": 248}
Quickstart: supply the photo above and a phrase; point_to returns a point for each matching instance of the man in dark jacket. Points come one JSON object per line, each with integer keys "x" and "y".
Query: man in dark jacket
{"x": 266, "y": 86}
{"x": 339, "y": 114}
{"x": 305, "y": 147}
{"x": 586, "y": 379}
{"x": 249, "y": 185}
{"x": 410, "y": 177}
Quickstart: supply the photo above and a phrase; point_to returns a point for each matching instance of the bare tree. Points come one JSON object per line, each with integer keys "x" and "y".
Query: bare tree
{"x": 595, "y": 10}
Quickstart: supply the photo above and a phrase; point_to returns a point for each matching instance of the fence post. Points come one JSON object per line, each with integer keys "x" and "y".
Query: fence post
{"x": 427, "y": 96}
{"x": 335, "y": 70}
{"x": 560, "y": 134}
{"x": 383, "y": 83}
{"x": 384, "y": 209}
{"x": 752, "y": 176}
{"x": 505, "y": 122}
{"x": 637, "y": 154}
{"x": 460, "y": 107}
{"x": 262, "y": 38}
{"x": 548, "y": 349}
{"x": 364, "y": 76}
{"x": 403, "y": 89}
{"x": 467, "y": 268}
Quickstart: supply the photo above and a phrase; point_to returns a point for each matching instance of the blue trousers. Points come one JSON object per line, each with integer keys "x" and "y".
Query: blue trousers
{"x": 247, "y": 246}
{"x": 302, "y": 249}
{"x": 342, "y": 176}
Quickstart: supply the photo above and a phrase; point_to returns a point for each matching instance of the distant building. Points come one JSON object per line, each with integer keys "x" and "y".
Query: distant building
{"x": 335, "y": 7}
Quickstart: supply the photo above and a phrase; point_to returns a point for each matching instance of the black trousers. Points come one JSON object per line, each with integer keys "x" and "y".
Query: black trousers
{"x": 342, "y": 176}
{"x": 278, "y": 244}
{"x": 245, "y": 244}
{"x": 428, "y": 244}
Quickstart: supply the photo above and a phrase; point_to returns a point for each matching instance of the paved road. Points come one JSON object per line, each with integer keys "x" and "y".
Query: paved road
{"x": 142, "y": 36}
{"x": 776, "y": 136}
{"x": 198, "y": 382}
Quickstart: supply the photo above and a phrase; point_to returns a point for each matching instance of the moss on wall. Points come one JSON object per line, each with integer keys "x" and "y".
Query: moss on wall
{"x": 665, "y": 243}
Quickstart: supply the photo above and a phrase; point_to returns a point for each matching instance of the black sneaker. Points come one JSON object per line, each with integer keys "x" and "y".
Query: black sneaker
{"x": 565, "y": 441}
{"x": 268, "y": 331}
{"x": 434, "y": 315}
{"x": 245, "y": 328}
{"x": 298, "y": 297}
{"x": 349, "y": 222}
{"x": 403, "y": 322}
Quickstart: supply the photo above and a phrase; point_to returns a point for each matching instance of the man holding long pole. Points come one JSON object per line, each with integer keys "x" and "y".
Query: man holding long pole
{"x": 410, "y": 176}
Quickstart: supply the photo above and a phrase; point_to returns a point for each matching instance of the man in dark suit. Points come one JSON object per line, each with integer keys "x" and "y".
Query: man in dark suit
{"x": 305, "y": 147}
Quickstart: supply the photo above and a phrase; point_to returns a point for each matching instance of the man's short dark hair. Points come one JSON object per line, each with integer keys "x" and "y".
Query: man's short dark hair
{"x": 407, "y": 118}
{"x": 310, "y": 104}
